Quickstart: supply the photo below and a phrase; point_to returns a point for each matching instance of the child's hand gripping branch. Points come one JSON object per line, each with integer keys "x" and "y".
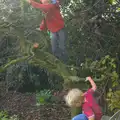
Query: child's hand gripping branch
{"x": 94, "y": 87}
{"x": 45, "y": 6}
{"x": 36, "y": 45}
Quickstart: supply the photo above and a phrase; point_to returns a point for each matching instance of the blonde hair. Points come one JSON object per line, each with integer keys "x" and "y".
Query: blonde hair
{"x": 73, "y": 97}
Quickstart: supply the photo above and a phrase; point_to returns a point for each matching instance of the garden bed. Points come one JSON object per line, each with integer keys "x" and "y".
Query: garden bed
{"x": 24, "y": 106}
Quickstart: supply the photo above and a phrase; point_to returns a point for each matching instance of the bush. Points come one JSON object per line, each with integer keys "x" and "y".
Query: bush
{"x": 43, "y": 97}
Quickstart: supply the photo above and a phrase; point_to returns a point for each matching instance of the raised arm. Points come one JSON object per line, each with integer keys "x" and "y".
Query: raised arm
{"x": 43, "y": 7}
{"x": 94, "y": 87}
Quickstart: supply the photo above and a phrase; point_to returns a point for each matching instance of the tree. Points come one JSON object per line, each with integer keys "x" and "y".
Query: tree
{"x": 89, "y": 24}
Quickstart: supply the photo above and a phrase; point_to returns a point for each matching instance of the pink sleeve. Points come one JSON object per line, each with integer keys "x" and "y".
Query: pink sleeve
{"x": 90, "y": 91}
{"x": 88, "y": 111}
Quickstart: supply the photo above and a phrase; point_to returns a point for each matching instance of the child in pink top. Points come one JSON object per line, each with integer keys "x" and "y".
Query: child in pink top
{"x": 90, "y": 106}
{"x": 86, "y": 100}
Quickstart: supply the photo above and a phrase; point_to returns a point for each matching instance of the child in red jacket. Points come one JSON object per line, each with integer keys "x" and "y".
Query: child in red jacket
{"x": 53, "y": 22}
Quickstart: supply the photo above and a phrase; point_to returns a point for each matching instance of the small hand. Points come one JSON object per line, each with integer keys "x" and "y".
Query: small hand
{"x": 88, "y": 78}
{"x": 38, "y": 29}
{"x": 36, "y": 45}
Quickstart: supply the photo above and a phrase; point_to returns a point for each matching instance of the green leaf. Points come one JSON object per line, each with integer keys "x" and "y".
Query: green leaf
{"x": 113, "y": 2}
{"x": 109, "y": 94}
{"x": 114, "y": 84}
{"x": 107, "y": 56}
{"x": 103, "y": 62}
{"x": 110, "y": 90}
{"x": 115, "y": 75}
{"x": 114, "y": 66}
{"x": 41, "y": 100}
{"x": 118, "y": 10}
{"x": 4, "y": 118}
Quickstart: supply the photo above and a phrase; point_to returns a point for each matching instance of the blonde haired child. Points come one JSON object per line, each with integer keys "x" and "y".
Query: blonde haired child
{"x": 76, "y": 98}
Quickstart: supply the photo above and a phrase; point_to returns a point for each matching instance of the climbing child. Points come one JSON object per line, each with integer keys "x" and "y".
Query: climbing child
{"x": 53, "y": 22}
{"x": 77, "y": 98}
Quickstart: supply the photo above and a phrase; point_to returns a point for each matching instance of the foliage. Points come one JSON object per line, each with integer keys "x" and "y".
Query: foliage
{"x": 25, "y": 37}
{"x": 78, "y": 40}
{"x": 43, "y": 97}
{"x": 106, "y": 70}
{"x": 49, "y": 97}
{"x": 4, "y": 116}
{"x": 39, "y": 57}
{"x": 93, "y": 31}
{"x": 113, "y": 98}
{"x": 92, "y": 23}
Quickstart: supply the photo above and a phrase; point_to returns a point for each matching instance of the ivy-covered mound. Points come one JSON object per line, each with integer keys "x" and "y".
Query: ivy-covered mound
{"x": 24, "y": 107}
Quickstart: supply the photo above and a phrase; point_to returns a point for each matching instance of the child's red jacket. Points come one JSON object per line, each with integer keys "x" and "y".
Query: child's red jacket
{"x": 53, "y": 20}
